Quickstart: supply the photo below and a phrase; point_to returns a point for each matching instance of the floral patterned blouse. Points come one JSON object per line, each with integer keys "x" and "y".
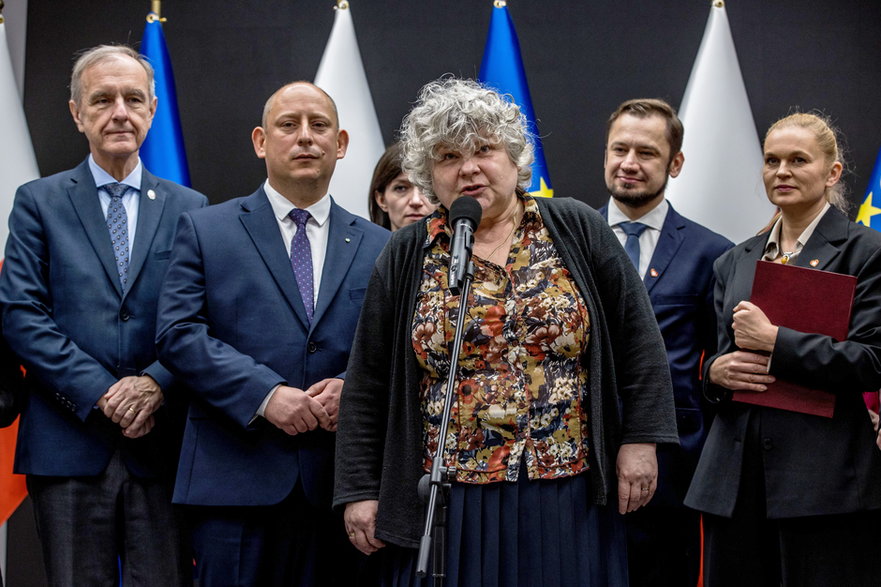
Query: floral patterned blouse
{"x": 521, "y": 378}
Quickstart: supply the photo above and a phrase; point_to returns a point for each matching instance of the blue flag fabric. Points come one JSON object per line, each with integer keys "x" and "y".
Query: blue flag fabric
{"x": 869, "y": 213}
{"x": 502, "y": 69}
{"x": 163, "y": 150}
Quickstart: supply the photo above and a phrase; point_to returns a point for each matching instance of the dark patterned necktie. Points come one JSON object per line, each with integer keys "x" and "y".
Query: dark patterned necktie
{"x": 117, "y": 224}
{"x": 301, "y": 259}
{"x": 631, "y": 245}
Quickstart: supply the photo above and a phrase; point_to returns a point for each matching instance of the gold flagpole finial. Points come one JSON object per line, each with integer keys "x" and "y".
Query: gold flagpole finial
{"x": 719, "y": 3}
{"x": 1, "y": 12}
{"x": 155, "y": 11}
{"x": 500, "y": 3}
{"x": 341, "y": 5}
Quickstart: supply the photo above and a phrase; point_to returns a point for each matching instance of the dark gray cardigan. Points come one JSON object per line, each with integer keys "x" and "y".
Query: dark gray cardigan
{"x": 630, "y": 399}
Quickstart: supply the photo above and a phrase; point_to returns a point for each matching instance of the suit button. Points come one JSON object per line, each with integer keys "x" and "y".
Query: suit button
{"x": 124, "y": 315}
{"x": 767, "y": 443}
{"x": 312, "y": 347}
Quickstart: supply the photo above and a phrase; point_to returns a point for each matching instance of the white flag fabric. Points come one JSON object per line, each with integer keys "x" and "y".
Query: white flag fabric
{"x": 341, "y": 74}
{"x": 17, "y": 162}
{"x": 721, "y": 182}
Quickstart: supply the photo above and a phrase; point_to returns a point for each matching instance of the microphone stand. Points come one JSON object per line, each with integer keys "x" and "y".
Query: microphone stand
{"x": 434, "y": 487}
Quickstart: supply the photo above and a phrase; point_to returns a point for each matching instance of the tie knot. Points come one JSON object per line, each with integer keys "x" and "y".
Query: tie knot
{"x": 632, "y": 228}
{"x": 300, "y": 217}
{"x": 116, "y": 190}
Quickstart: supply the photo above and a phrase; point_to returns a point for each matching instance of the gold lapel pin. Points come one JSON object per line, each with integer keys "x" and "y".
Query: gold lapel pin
{"x": 814, "y": 262}
{"x": 653, "y": 272}
{"x": 151, "y": 194}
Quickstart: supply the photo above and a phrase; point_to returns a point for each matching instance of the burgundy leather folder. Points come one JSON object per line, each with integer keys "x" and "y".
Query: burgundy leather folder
{"x": 806, "y": 300}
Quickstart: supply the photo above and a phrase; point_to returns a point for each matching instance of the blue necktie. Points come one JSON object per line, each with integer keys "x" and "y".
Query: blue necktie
{"x": 301, "y": 259}
{"x": 117, "y": 224}
{"x": 631, "y": 245}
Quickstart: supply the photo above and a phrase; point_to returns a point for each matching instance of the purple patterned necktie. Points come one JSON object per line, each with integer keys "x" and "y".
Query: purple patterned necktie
{"x": 117, "y": 224}
{"x": 301, "y": 259}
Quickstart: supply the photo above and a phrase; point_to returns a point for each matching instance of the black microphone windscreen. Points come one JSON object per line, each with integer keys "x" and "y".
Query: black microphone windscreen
{"x": 467, "y": 208}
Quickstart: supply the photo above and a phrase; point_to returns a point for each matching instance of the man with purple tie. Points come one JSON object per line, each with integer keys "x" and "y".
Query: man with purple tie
{"x": 257, "y": 316}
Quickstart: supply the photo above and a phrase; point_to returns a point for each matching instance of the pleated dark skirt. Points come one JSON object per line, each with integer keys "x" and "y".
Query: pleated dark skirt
{"x": 529, "y": 533}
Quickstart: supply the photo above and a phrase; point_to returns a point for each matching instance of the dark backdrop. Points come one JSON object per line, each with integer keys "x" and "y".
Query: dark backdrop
{"x": 582, "y": 58}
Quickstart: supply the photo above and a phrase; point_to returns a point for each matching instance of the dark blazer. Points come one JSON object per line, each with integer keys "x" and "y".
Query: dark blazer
{"x": 65, "y": 316}
{"x": 812, "y": 465}
{"x": 679, "y": 281}
{"x": 233, "y": 326}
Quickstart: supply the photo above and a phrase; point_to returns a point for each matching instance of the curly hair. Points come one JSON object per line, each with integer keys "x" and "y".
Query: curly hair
{"x": 461, "y": 113}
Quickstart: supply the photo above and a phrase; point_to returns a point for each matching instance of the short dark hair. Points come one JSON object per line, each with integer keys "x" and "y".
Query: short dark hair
{"x": 387, "y": 169}
{"x": 645, "y": 107}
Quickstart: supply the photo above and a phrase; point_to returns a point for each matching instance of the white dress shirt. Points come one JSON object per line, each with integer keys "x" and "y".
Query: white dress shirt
{"x": 317, "y": 229}
{"x": 648, "y": 240}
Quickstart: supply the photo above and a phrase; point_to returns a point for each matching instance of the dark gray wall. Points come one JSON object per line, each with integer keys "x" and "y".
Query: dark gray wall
{"x": 582, "y": 59}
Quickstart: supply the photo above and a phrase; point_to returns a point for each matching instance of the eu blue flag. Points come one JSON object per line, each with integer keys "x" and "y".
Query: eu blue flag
{"x": 502, "y": 69}
{"x": 869, "y": 213}
{"x": 163, "y": 150}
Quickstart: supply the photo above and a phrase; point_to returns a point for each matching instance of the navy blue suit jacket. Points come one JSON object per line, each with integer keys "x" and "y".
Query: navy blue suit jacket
{"x": 680, "y": 285}
{"x": 233, "y": 326}
{"x": 66, "y": 317}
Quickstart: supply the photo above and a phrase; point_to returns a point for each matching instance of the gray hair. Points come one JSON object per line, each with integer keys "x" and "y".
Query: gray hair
{"x": 462, "y": 114}
{"x": 100, "y": 54}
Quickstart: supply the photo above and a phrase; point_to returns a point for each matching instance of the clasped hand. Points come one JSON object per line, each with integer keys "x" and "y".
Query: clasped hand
{"x": 131, "y": 402}
{"x": 296, "y": 411}
{"x": 745, "y": 370}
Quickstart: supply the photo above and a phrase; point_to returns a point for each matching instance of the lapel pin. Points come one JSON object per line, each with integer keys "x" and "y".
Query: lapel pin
{"x": 653, "y": 272}
{"x": 815, "y": 262}
{"x": 348, "y": 240}
{"x": 151, "y": 194}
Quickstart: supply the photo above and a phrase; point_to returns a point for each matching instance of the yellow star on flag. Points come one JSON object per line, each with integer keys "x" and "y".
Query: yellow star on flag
{"x": 544, "y": 191}
{"x": 867, "y": 210}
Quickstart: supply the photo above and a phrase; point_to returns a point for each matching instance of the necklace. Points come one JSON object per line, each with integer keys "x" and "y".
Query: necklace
{"x": 507, "y": 238}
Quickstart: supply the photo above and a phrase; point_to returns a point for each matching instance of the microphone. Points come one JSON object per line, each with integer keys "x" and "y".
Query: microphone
{"x": 465, "y": 215}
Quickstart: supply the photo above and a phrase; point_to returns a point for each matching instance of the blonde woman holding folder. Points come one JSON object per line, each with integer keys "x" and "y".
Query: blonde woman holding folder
{"x": 792, "y": 498}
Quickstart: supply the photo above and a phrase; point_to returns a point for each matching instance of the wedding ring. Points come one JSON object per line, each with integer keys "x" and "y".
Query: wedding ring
{"x": 645, "y": 489}
{"x": 131, "y": 409}
{"x": 351, "y": 534}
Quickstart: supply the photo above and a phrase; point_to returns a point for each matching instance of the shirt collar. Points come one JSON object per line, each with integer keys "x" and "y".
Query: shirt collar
{"x": 654, "y": 218}
{"x": 437, "y": 224}
{"x": 101, "y": 177}
{"x": 772, "y": 246}
{"x": 281, "y": 206}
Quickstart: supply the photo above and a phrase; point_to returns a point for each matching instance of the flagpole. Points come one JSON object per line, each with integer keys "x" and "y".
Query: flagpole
{"x": 155, "y": 11}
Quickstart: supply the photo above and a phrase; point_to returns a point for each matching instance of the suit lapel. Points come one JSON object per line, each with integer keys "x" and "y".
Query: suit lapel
{"x": 83, "y": 194}
{"x": 260, "y": 223}
{"x": 822, "y": 248}
{"x": 343, "y": 240}
{"x": 149, "y": 214}
{"x": 669, "y": 242}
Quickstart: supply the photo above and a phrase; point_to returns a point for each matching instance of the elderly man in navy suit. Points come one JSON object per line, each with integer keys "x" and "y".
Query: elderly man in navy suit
{"x": 87, "y": 251}
{"x": 257, "y": 315}
{"x": 675, "y": 257}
